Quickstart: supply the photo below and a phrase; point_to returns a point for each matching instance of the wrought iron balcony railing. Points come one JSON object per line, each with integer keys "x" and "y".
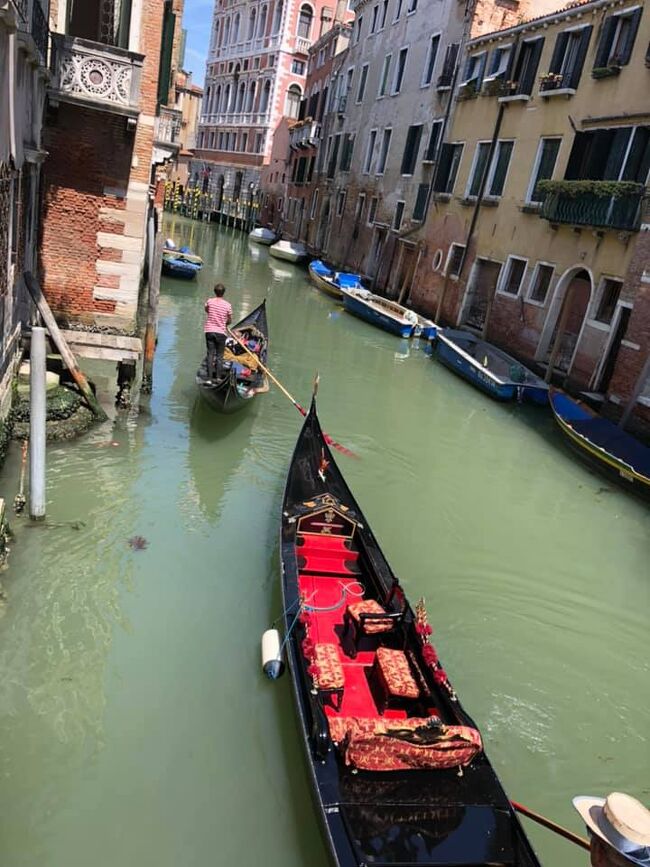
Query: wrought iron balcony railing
{"x": 586, "y": 209}
{"x": 95, "y": 75}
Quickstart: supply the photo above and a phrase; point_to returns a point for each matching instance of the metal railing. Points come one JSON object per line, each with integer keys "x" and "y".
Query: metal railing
{"x": 586, "y": 209}
{"x": 306, "y": 135}
{"x": 95, "y": 74}
{"x": 233, "y": 118}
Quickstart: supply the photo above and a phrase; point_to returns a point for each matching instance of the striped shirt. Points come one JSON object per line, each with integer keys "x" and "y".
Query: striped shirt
{"x": 218, "y": 310}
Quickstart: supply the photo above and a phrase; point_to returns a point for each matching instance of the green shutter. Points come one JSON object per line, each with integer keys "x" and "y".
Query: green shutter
{"x": 166, "y": 49}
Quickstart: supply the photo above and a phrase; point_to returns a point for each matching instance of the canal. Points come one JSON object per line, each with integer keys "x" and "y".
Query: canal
{"x": 136, "y": 728}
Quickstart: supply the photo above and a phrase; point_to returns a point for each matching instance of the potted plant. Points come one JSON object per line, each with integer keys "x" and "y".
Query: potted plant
{"x": 499, "y": 87}
{"x": 551, "y": 81}
{"x": 467, "y": 90}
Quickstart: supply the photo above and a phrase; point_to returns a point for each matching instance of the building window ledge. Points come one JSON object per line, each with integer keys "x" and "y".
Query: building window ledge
{"x": 531, "y": 208}
{"x": 517, "y": 97}
{"x": 558, "y": 91}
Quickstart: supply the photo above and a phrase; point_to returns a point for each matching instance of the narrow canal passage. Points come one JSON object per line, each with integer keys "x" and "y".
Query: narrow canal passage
{"x": 136, "y": 728}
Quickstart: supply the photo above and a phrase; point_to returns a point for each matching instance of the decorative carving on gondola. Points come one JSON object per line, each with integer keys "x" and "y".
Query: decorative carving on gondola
{"x": 429, "y": 653}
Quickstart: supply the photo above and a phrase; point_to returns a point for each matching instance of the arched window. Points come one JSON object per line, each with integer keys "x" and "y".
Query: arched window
{"x": 215, "y": 41}
{"x": 292, "y": 103}
{"x": 226, "y": 32}
{"x": 240, "y": 97}
{"x": 250, "y": 100}
{"x": 239, "y": 176}
{"x": 277, "y": 20}
{"x": 304, "y": 21}
{"x": 235, "y": 30}
{"x": 266, "y": 96}
{"x": 261, "y": 28}
{"x": 217, "y": 99}
{"x": 226, "y": 100}
{"x": 251, "y": 23}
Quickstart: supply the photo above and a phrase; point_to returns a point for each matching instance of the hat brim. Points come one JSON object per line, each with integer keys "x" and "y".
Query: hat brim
{"x": 591, "y": 812}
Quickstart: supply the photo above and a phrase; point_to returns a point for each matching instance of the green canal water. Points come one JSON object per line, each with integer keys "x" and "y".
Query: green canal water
{"x": 136, "y": 728}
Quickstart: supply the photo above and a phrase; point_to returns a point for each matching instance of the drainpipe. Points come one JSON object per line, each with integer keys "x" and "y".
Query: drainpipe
{"x": 37, "y": 399}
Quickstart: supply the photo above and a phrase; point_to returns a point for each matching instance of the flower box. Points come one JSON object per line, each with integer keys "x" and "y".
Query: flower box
{"x": 605, "y": 71}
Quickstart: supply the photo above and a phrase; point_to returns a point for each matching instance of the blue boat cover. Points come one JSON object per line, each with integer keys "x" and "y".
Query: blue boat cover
{"x": 321, "y": 268}
{"x": 348, "y": 280}
{"x": 603, "y": 434}
{"x": 184, "y": 250}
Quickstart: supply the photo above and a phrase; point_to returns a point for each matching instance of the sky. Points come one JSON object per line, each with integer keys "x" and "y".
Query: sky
{"x": 197, "y": 20}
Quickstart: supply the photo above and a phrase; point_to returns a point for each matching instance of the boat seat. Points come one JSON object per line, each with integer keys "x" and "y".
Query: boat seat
{"x": 328, "y": 673}
{"x": 368, "y": 617}
{"x": 393, "y": 678}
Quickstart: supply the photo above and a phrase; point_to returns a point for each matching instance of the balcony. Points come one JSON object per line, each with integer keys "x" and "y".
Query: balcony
{"x": 305, "y": 136}
{"x": 168, "y": 127}
{"x": 95, "y": 75}
{"x": 302, "y": 45}
{"x": 341, "y": 104}
{"x": 568, "y": 202}
{"x": 236, "y": 118}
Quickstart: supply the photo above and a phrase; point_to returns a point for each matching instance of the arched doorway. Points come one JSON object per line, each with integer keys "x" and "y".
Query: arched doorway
{"x": 560, "y": 341}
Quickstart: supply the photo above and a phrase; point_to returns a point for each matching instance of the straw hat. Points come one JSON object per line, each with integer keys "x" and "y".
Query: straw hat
{"x": 621, "y": 821}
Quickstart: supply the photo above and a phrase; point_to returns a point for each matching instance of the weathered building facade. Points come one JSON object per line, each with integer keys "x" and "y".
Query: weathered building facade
{"x": 537, "y": 232}
{"x": 187, "y": 100}
{"x": 23, "y": 83}
{"x": 107, "y": 125}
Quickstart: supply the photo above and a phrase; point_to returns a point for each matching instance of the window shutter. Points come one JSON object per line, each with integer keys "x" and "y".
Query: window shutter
{"x": 604, "y": 46}
{"x": 558, "y": 52}
{"x": 420, "y": 202}
{"x": 576, "y": 72}
{"x": 579, "y": 151}
{"x": 444, "y": 166}
{"x": 637, "y": 164}
{"x": 530, "y": 72}
{"x": 631, "y": 36}
{"x": 447, "y": 75}
{"x": 430, "y": 154}
{"x": 481, "y": 71}
{"x": 166, "y": 48}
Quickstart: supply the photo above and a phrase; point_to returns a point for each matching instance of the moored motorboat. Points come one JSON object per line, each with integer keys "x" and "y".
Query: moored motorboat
{"x": 488, "y": 367}
{"x": 175, "y": 264}
{"x": 290, "y": 251}
{"x": 396, "y": 764}
{"x": 387, "y": 314}
{"x": 242, "y": 379}
{"x": 603, "y": 444}
{"x": 262, "y": 235}
{"x": 332, "y": 282}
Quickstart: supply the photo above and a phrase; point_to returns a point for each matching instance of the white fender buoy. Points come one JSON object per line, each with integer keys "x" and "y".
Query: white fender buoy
{"x": 272, "y": 663}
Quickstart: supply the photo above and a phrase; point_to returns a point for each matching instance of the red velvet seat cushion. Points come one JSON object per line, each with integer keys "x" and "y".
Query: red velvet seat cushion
{"x": 396, "y": 674}
{"x": 369, "y": 606}
{"x": 329, "y": 669}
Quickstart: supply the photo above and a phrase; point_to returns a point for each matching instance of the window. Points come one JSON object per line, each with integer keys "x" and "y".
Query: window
{"x": 314, "y": 205}
{"x": 413, "y": 5}
{"x": 372, "y": 139}
{"x": 568, "y": 58}
{"x": 372, "y": 210}
{"x": 383, "y": 153}
{"x": 446, "y": 77}
{"x": 544, "y": 166}
{"x": 540, "y": 283}
{"x": 617, "y": 39}
{"x": 609, "y": 295}
{"x": 244, "y": 142}
{"x": 259, "y": 143}
{"x": 346, "y": 153}
{"x": 411, "y": 149}
{"x": 455, "y": 259}
{"x": 399, "y": 71}
{"x": 620, "y": 153}
{"x": 363, "y": 78}
{"x": 513, "y": 275}
{"x": 298, "y": 67}
{"x": 340, "y": 202}
{"x": 450, "y": 155}
{"x": 429, "y": 66}
{"x": 357, "y": 29}
{"x": 525, "y": 73}
{"x": 420, "y": 203}
{"x": 434, "y": 136}
{"x": 321, "y": 58}
{"x": 398, "y": 10}
{"x": 358, "y": 211}
{"x": 384, "y": 11}
{"x": 399, "y": 216}
{"x": 331, "y": 166}
{"x": 280, "y": 204}
{"x": 304, "y": 21}
{"x": 499, "y": 63}
{"x": 496, "y": 174}
{"x": 374, "y": 19}
{"x": 383, "y": 80}
{"x": 474, "y": 70}
{"x": 292, "y": 104}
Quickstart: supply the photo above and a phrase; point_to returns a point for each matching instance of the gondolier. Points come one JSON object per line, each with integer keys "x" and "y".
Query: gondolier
{"x": 218, "y": 318}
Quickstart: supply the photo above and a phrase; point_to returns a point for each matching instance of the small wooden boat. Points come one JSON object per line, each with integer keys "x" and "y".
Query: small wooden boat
{"x": 174, "y": 264}
{"x": 182, "y": 253}
{"x": 488, "y": 368}
{"x": 396, "y": 764}
{"x": 331, "y": 282}
{"x": 602, "y": 443}
{"x": 290, "y": 251}
{"x": 242, "y": 379}
{"x": 387, "y": 314}
{"x": 263, "y": 236}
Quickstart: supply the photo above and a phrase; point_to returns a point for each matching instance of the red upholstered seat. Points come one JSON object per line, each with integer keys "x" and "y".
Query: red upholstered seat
{"x": 330, "y": 671}
{"x": 395, "y": 673}
{"x": 369, "y": 606}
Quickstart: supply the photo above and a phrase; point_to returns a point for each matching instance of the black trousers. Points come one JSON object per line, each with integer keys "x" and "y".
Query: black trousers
{"x": 215, "y": 343}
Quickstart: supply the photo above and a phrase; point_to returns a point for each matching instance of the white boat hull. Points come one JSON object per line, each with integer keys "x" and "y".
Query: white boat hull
{"x": 288, "y": 251}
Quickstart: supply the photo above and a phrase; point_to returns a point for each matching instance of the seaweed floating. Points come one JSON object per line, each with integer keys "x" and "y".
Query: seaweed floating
{"x": 138, "y": 543}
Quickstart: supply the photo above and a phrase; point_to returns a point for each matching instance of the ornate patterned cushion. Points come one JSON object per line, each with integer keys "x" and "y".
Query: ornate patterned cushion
{"x": 369, "y": 606}
{"x": 396, "y": 673}
{"x": 330, "y": 671}
{"x": 393, "y": 745}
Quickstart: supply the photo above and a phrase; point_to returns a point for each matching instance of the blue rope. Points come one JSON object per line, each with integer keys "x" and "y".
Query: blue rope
{"x": 289, "y": 631}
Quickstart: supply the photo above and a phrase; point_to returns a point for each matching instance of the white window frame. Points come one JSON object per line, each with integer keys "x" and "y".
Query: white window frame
{"x": 504, "y": 276}
{"x": 478, "y": 59}
{"x": 433, "y": 36}
{"x": 435, "y": 122}
{"x": 491, "y": 169}
{"x": 358, "y": 24}
{"x": 314, "y": 203}
{"x": 624, "y": 13}
{"x": 412, "y": 7}
{"x": 341, "y": 198}
{"x": 370, "y": 150}
{"x": 361, "y": 94}
{"x": 358, "y": 209}
{"x": 450, "y": 255}
{"x": 384, "y": 15}
{"x": 598, "y": 297}
{"x": 399, "y": 202}
{"x": 531, "y": 283}
{"x": 384, "y": 76}
{"x": 374, "y": 19}
{"x": 506, "y": 52}
{"x": 394, "y": 92}
{"x": 538, "y": 159}
{"x": 372, "y": 211}
{"x": 387, "y": 129}
{"x": 398, "y": 11}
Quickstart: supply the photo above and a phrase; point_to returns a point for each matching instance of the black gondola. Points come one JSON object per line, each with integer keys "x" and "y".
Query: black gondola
{"x": 240, "y": 380}
{"x": 396, "y": 764}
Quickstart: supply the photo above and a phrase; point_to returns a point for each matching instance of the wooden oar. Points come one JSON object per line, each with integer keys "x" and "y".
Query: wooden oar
{"x": 301, "y": 409}
{"x": 552, "y": 826}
